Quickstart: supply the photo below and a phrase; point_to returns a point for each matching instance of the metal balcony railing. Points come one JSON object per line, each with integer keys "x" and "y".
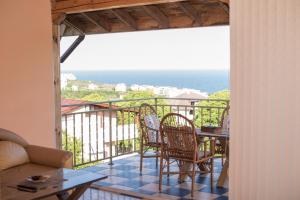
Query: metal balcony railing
{"x": 98, "y": 131}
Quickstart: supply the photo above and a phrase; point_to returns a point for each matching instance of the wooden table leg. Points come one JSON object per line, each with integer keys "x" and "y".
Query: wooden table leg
{"x": 74, "y": 194}
{"x": 63, "y": 195}
{"x": 78, "y": 192}
{"x": 224, "y": 174}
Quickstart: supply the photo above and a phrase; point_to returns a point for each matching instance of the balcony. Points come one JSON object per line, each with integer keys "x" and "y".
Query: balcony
{"x": 104, "y": 138}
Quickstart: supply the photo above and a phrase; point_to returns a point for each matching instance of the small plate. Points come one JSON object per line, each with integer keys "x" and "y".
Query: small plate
{"x": 38, "y": 178}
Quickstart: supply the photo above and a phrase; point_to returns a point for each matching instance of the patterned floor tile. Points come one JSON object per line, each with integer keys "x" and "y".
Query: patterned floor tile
{"x": 113, "y": 180}
{"x": 125, "y": 167}
{"x": 94, "y": 194}
{"x": 165, "y": 196}
{"x": 188, "y": 185}
{"x": 215, "y": 190}
{"x": 222, "y": 198}
{"x": 202, "y": 196}
{"x": 153, "y": 187}
{"x": 122, "y": 187}
{"x": 147, "y": 178}
{"x": 110, "y": 172}
{"x": 141, "y": 191}
{"x": 94, "y": 169}
{"x": 125, "y": 176}
{"x": 179, "y": 192}
{"x": 133, "y": 184}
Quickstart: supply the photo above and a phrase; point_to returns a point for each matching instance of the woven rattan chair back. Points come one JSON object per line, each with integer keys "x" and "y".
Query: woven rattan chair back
{"x": 224, "y": 118}
{"x": 146, "y": 110}
{"x": 179, "y": 135}
{"x": 149, "y": 133}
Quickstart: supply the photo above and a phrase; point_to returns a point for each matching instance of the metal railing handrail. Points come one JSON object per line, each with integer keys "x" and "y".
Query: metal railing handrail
{"x": 141, "y": 99}
{"x": 97, "y": 134}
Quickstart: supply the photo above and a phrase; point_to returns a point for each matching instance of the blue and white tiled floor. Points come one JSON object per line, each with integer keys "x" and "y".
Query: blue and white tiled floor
{"x": 124, "y": 178}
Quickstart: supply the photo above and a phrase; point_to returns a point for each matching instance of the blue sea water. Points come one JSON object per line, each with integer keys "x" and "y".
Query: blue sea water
{"x": 205, "y": 80}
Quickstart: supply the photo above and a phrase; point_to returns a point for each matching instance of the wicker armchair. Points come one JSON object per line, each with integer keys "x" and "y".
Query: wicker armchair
{"x": 149, "y": 129}
{"x": 180, "y": 144}
{"x": 222, "y": 143}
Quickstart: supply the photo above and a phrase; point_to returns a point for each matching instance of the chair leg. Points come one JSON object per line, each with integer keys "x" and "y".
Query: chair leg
{"x": 156, "y": 157}
{"x": 160, "y": 172}
{"x": 193, "y": 180}
{"x": 142, "y": 155}
{"x": 168, "y": 166}
{"x": 222, "y": 157}
{"x": 212, "y": 173}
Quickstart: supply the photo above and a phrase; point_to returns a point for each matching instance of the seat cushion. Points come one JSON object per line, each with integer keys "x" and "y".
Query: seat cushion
{"x": 22, "y": 171}
{"x": 152, "y": 122}
{"x": 12, "y": 154}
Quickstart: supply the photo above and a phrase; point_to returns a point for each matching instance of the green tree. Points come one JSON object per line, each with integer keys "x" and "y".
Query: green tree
{"x": 134, "y": 104}
{"x": 210, "y": 111}
{"x": 68, "y": 143}
{"x": 94, "y": 97}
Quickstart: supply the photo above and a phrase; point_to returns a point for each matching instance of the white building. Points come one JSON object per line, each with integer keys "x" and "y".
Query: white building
{"x": 92, "y": 86}
{"x": 64, "y": 78}
{"x": 121, "y": 87}
{"x": 184, "y": 103}
{"x": 91, "y": 125}
{"x": 75, "y": 88}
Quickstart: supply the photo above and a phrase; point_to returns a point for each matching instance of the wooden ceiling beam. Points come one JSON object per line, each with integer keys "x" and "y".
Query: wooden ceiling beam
{"x": 190, "y": 11}
{"x": 76, "y": 6}
{"x": 157, "y": 15}
{"x": 74, "y": 27}
{"x": 213, "y": 16}
{"x": 99, "y": 23}
{"x": 58, "y": 18}
{"x": 224, "y": 6}
{"x": 124, "y": 16}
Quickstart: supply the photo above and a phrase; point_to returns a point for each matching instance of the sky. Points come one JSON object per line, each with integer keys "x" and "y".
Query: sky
{"x": 202, "y": 48}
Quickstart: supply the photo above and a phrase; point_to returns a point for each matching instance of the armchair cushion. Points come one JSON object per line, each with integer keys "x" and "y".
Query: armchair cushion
{"x": 152, "y": 124}
{"x": 49, "y": 157}
{"x": 12, "y": 154}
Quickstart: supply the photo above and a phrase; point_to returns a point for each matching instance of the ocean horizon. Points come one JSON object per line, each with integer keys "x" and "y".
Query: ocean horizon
{"x": 204, "y": 80}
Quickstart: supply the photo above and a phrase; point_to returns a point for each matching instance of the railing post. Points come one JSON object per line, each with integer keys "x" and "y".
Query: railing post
{"x": 155, "y": 102}
{"x": 110, "y": 133}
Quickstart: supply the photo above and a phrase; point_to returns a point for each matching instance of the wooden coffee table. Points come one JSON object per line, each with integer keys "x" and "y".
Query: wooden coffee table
{"x": 64, "y": 183}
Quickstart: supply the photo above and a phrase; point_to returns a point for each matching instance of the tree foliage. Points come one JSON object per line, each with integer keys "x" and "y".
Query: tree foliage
{"x": 210, "y": 112}
{"x": 94, "y": 97}
{"x": 99, "y": 95}
{"x": 134, "y": 104}
{"x": 68, "y": 142}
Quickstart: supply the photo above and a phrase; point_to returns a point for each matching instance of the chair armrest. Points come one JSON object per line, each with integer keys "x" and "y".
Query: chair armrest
{"x": 49, "y": 156}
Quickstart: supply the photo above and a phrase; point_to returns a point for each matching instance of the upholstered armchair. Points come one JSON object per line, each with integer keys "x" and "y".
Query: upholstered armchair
{"x": 36, "y": 159}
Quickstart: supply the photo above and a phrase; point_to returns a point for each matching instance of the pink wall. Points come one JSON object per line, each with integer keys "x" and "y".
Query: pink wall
{"x": 26, "y": 71}
{"x": 265, "y": 100}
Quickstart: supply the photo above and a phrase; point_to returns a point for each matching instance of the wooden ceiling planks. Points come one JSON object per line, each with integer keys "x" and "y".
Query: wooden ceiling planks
{"x": 109, "y": 16}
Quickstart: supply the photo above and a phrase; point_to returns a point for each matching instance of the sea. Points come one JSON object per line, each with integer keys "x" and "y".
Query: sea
{"x": 208, "y": 81}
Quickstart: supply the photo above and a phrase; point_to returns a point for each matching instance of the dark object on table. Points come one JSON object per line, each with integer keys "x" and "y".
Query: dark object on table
{"x": 27, "y": 188}
{"x": 210, "y": 129}
{"x": 38, "y": 178}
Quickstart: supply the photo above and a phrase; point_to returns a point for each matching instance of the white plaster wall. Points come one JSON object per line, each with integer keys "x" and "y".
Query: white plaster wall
{"x": 26, "y": 70}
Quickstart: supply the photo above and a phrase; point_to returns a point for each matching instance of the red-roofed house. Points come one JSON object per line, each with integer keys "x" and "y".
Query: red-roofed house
{"x": 90, "y": 123}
